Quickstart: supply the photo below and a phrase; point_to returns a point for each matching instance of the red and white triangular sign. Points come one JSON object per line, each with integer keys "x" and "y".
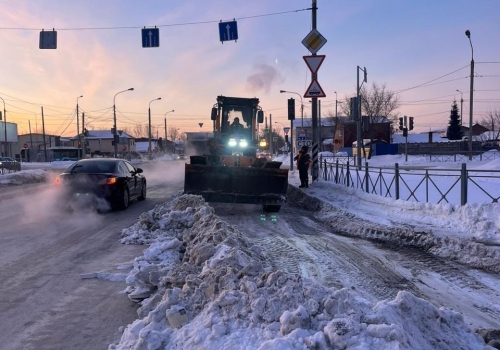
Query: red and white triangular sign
{"x": 314, "y": 90}
{"x": 314, "y": 62}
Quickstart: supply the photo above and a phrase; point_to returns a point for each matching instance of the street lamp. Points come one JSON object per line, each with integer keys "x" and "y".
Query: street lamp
{"x": 461, "y": 109}
{"x": 5, "y": 124}
{"x": 149, "y": 127}
{"x": 78, "y": 124}
{"x": 115, "y": 132}
{"x": 467, "y": 33}
{"x": 166, "y": 123}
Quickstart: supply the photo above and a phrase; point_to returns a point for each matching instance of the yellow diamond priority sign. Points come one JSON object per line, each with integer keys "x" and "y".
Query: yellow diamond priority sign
{"x": 314, "y": 41}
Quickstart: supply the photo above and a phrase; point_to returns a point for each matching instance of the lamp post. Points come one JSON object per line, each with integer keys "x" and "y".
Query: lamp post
{"x": 467, "y": 33}
{"x": 5, "y": 129}
{"x": 149, "y": 127}
{"x": 461, "y": 109}
{"x": 78, "y": 125}
{"x": 115, "y": 132}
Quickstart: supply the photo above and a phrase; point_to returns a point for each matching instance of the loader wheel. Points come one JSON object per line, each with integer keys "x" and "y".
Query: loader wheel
{"x": 271, "y": 208}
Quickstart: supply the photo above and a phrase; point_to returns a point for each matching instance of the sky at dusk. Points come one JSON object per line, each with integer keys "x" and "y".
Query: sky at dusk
{"x": 416, "y": 48}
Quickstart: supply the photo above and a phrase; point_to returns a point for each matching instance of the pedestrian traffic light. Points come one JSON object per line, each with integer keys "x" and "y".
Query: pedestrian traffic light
{"x": 401, "y": 126}
{"x": 405, "y": 132}
{"x": 291, "y": 109}
{"x": 411, "y": 124}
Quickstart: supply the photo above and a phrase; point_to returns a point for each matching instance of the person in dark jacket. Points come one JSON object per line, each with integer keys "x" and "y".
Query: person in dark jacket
{"x": 303, "y": 163}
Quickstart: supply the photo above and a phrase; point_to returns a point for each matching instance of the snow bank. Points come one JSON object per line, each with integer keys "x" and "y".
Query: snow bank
{"x": 24, "y": 177}
{"x": 348, "y": 212}
{"x": 208, "y": 287}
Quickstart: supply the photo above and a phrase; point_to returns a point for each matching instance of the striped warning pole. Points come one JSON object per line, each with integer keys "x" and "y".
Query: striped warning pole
{"x": 315, "y": 164}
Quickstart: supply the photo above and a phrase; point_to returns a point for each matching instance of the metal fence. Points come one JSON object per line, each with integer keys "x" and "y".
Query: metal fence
{"x": 7, "y": 168}
{"x": 417, "y": 184}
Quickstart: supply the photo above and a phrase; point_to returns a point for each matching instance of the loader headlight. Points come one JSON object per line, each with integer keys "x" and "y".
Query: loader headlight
{"x": 232, "y": 143}
{"x": 243, "y": 143}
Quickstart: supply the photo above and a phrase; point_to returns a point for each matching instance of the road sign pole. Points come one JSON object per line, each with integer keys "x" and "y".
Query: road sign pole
{"x": 315, "y": 165}
{"x": 291, "y": 145}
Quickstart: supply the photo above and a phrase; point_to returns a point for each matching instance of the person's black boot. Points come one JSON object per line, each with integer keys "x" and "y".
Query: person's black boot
{"x": 306, "y": 184}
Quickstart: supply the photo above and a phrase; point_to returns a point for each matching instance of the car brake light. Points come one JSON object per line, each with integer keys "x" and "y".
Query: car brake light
{"x": 58, "y": 181}
{"x": 109, "y": 181}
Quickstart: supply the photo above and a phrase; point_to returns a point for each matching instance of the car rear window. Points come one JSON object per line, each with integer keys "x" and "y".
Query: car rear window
{"x": 92, "y": 167}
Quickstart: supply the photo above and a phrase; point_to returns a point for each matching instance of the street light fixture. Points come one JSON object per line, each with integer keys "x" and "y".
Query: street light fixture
{"x": 5, "y": 124}
{"x": 461, "y": 109}
{"x": 78, "y": 125}
{"x": 149, "y": 127}
{"x": 467, "y": 33}
{"x": 115, "y": 132}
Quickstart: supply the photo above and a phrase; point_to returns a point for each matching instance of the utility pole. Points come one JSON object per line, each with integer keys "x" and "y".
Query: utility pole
{"x": 84, "y": 139}
{"x": 271, "y": 138}
{"x": 77, "y": 124}
{"x": 44, "y": 144}
{"x": 5, "y": 121}
{"x": 31, "y": 136}
{"x": 314, "y": 112}
{"x": 149, "y": 128}
{"x": 320, "y": 128}
{"x": 471, "y": 102}
{"x": 359, "y": 135}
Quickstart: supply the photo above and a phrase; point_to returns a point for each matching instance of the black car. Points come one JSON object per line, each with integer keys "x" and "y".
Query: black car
{"x": 92, "y": 180}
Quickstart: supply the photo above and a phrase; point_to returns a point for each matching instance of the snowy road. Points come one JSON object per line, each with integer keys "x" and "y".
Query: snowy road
{"x": 299, "y": 243}
{"x": 45, "y": 303}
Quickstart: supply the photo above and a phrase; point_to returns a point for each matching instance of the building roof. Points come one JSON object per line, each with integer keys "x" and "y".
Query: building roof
{"x": 419, "y": 138}
{"x": 103, "y": 134}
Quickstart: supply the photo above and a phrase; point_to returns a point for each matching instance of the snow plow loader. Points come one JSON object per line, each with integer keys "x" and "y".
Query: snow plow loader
{"x": 231, "y": 172}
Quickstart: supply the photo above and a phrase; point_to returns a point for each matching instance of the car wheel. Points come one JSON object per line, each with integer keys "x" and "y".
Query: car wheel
{"x": 123, "y": 201}
{"x": 143, "y": 192}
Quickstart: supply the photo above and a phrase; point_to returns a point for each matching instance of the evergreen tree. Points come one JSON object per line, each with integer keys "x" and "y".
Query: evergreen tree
{"x": 454, "y": 131}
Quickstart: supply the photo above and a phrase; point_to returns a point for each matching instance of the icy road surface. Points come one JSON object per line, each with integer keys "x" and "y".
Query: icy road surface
{"x": 295, "y": 241}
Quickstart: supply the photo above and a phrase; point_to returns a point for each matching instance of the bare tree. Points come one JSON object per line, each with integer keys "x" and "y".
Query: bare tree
{"x": 139, "y": 130}
{"x": 491, "y": 121}
{"x": 173, "y": 133}
{"x": 378, "y": 103}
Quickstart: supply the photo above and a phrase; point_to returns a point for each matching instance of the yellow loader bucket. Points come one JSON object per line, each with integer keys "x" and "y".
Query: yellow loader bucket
{"x": 229, "y": 184}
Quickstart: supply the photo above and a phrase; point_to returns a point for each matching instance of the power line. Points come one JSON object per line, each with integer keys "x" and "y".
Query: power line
{"x": 430, "y": 81}
{"x": 162, "y": 25}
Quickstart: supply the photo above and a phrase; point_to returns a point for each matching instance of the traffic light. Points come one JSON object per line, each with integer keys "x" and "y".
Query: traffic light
{"x": 410, "y": 127}
{"x": 401, "y": 126}
{"x": 291, "y": 109}
{"x": 405, "y": 132}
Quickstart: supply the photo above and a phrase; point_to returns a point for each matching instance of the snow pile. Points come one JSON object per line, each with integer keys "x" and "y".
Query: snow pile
{"x": 24, "y": 177}
{"x": 208, "y": 287}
